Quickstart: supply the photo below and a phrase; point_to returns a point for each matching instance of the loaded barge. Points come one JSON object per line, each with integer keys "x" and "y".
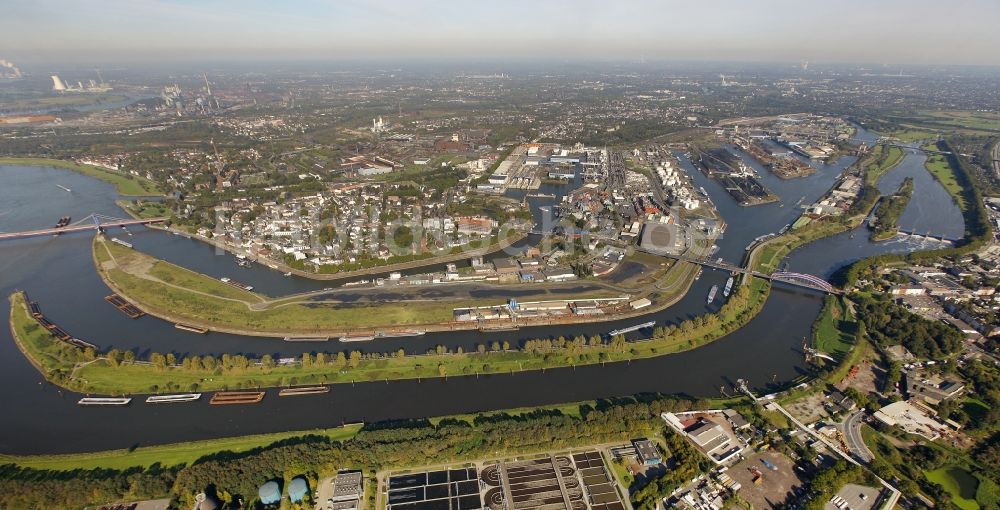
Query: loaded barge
{"x": 236, "y": 397}
{"x": 303, "y": 390}
{"x": 306, "y": 338}
{"x": 171, "y": 399}
{"x": 238, "y": 285}
{"x": 54, "y": 329}
{"x": 400, "y": 333}
{"x": 132, "y": 311}
{"x": 193, "y": 329}
{"x": 357, "y": 338}
{"x": 104, "y": 401}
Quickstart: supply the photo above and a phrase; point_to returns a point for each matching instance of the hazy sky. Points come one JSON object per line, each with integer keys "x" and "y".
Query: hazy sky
{"x": 876, "y": 31}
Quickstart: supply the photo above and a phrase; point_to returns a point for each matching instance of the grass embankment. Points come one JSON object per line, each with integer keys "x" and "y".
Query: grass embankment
{"x": 182, "y": 295}
{"x": 886, "y": 159}
{"x": 144, "y": 209}
{"x": 126, "y": 184}
{"x": 835, "y": 333}
{"x": 168, "y": 455}
{"x": 939, "y": 167}
{"x": 106, "y": 376}
{"x": 768, "y": 256}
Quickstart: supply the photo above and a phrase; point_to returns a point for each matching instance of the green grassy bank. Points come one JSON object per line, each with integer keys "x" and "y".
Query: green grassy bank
{"x": 126, "y": 184}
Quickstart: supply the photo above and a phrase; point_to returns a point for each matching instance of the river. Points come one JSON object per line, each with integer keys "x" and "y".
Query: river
{"x": 59, "y": 274}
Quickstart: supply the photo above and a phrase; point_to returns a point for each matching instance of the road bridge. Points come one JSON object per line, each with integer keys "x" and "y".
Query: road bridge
{"x": 97, "y": 222}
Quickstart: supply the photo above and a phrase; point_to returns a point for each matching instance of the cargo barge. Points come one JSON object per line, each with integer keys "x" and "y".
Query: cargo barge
{"x": 238, "y": 285}
{"x": 402, "y": 333}
{"x": 236, "y": 397}
{"x": 123, "y": 243}
{"x": 104, "y": 401}
{"x": 171, "y": 399}
{"x": 630, "y": 329}
{"x": 123, "y": 306}
{"x": 193, "y": 329}
{"x": 307, "y": 338}
{"x": 357, "y": 338}
{"x": 304, "y": 390}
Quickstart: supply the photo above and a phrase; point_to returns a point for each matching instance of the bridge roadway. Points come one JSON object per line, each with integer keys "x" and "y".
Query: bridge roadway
{"x": 795, "y": 279}
{"x": 80, "y": 227}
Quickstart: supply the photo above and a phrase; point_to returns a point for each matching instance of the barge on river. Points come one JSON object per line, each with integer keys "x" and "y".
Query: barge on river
{"x": 236, "y": 397}
{"x": 173, "y": 399}
{"x": 306, "y": 338}
{"x": 193, "y": 329}
{"x": 123, "y": 306}
{"x": 357, "y": 338}
{"x": 303, "y": 390}
{"x": 105, "y": 401}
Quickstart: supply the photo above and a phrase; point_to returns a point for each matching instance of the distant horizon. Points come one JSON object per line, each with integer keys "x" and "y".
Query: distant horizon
{"x": 841, "y": 32}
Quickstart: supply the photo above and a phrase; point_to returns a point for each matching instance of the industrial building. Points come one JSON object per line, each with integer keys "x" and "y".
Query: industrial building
{"x": 647, "y": 452}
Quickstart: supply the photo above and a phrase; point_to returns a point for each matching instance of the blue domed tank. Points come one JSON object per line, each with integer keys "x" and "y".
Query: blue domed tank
{"x": 269, "y": 493}
{"x": 298, "y": 489}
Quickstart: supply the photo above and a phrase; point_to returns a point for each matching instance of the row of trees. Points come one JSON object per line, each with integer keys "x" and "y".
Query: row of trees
{"x": 376, "y": 446}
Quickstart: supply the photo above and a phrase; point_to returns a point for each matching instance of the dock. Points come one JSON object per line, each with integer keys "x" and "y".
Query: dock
{"x": 193, "y": 329}
{"x": 236, "y": 397}
{"x": 303, "y": 390}
{"x": 123, "y": 306}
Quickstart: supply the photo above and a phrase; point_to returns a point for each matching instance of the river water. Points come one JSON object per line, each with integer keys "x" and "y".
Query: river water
{"x": 59, "y": 274}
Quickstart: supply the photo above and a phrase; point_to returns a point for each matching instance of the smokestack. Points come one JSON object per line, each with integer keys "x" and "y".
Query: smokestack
{"x": 58, "y": 84}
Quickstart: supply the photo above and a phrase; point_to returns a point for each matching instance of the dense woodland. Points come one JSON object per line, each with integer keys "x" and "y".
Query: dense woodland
{"x": 890, "y": 324}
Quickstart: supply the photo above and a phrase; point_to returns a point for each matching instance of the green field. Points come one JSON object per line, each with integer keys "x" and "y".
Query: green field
{"x": 913, "y": 135}
{"x": 945, "y": 174}
{"x": 125, "y": 184}
{"x": 168, "y": 455}
{"x": 959, "y": 483}
{"x": 887, "y": 159}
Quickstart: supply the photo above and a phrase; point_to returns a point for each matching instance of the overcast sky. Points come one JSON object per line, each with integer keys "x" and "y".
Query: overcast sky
{"x": 868, "y": 31}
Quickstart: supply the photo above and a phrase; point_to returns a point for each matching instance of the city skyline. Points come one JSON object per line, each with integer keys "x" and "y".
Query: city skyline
{"x": 891, "y": 32}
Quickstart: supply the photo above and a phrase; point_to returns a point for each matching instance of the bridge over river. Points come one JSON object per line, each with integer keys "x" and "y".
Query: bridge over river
{"x": 97, "y": 222}
{"x": 807, "y": 281}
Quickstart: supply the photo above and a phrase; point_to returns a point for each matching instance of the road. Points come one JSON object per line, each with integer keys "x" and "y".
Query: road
{"x": 894, "y": 493}
{"x": 996, "y": 158}
{"x": 855, "y": 442}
